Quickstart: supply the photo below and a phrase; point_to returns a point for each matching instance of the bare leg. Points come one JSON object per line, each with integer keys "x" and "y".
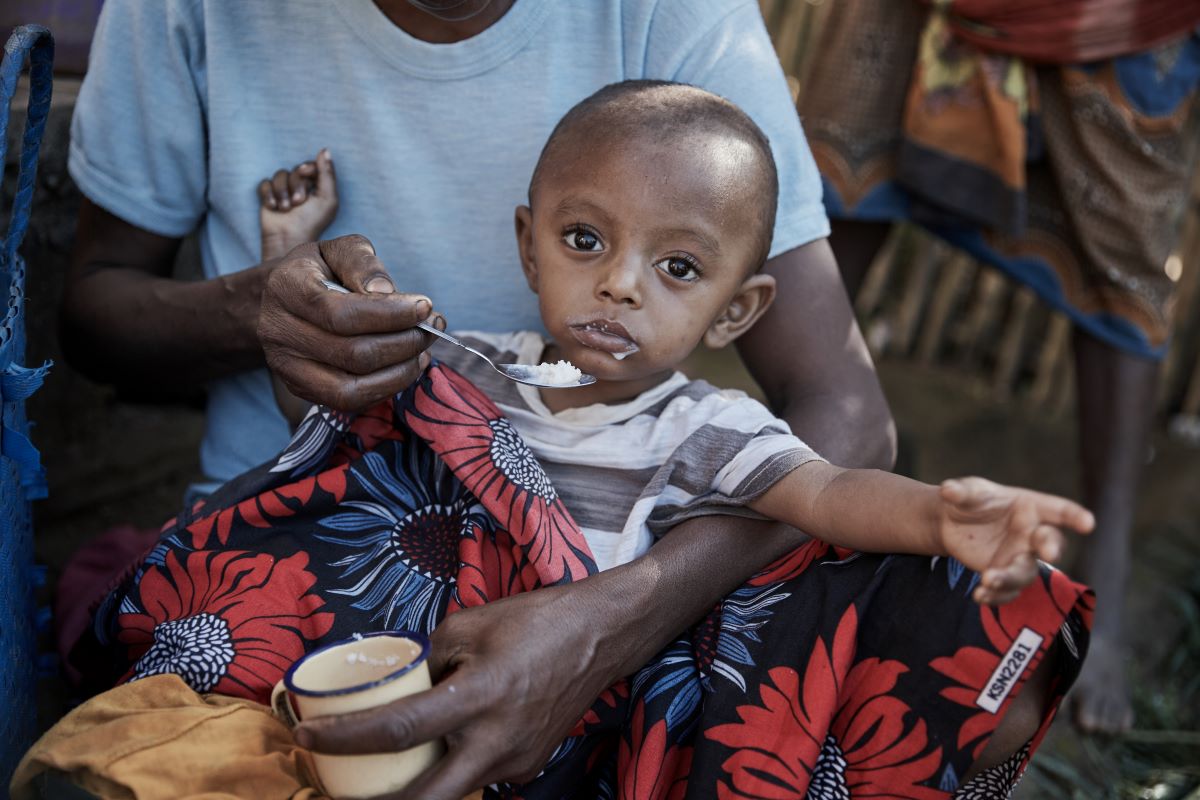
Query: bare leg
{"x": 1116, "y": 406}
{"x": 854, "y": 245}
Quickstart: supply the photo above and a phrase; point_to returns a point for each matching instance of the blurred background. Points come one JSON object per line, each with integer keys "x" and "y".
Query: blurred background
{"x": 977, "y": 370}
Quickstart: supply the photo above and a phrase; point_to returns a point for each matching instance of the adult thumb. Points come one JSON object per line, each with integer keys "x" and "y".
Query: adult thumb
{"x": 353, "y": 262}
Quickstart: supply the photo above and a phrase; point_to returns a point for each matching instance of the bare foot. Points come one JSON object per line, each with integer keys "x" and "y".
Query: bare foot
{"x": 1100, "y": 702}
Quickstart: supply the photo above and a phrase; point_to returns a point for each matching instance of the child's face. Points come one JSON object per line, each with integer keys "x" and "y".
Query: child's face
{"x": 644, "y": 250}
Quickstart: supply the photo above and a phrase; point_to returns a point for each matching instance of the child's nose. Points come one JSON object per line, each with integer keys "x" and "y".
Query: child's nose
{"x": 620, "y": 281}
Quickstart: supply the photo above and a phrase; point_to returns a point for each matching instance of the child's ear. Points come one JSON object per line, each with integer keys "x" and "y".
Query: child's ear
{"x": 524, "y": 223}
{"x": 752, "y": 299}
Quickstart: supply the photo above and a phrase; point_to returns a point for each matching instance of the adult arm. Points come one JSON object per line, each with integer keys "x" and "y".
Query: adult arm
{"x": 808, "y": 355}
{"x": 125, "y": 320}
{"x": 140, "y": 154}
{"x": 806, "y": 352}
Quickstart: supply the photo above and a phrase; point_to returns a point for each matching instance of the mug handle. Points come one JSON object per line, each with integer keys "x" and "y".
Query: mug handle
{"x": 281, "y": 704}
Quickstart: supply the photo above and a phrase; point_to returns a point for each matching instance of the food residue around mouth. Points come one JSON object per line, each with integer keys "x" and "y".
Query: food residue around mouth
{"x": 624, "y": 354}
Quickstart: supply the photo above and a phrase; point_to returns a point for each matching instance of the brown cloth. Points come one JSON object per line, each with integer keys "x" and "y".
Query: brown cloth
{"x": 974, "y": 88}
{"x": 1071, "y": 179}
{"x": 116, "y": 744}
{"x": 1069, "y": 31}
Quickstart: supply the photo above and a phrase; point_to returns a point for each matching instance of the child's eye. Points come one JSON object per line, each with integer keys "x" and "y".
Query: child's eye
{"x": 582, "y": 239}
{"x": 683, "y": 268}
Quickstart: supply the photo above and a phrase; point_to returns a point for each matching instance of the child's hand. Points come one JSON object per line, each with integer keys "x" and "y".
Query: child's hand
{"x": 1001, "y": 532}
{"x": 297, "y": 205}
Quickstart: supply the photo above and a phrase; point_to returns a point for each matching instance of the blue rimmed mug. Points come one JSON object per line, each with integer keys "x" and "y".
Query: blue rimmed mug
{"x": 362, "y": 672}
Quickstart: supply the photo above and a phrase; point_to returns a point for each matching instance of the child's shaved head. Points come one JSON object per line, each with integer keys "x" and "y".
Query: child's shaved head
{"x": 663, "y": 112}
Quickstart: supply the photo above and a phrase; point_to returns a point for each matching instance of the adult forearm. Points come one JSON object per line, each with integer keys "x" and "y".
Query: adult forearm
{"x": 639, "y": 607}
{"x": 809, "y": 356}
{"x": 156, "y": 335}
{"x": 852, "y": 430}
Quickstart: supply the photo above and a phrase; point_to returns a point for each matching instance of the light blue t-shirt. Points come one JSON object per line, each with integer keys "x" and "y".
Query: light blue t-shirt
{"x": 188, "y": 104}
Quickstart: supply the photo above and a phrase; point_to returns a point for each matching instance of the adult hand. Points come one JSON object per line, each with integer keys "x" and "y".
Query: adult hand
{"x": 347, "y": 351}
{"x": 512, "y": 678}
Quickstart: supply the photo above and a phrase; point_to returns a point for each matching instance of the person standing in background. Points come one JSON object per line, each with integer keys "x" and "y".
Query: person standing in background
{"x": 1055, "y": 142}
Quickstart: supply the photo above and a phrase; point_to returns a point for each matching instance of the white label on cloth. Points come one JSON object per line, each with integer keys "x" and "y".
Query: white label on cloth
{"x": 1009, "y": 670}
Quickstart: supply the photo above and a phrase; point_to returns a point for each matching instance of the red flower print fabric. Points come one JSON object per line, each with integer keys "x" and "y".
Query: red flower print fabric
{"x": 388, "y": 520}
{"x": 224, "y": 620}
{"x": 830, "y": 674}
{"x": 487, "y": 454}
{"x": 841, "y": 731}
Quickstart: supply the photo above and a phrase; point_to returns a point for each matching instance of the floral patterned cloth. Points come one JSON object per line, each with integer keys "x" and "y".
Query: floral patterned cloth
{"x": 828, "y": 675}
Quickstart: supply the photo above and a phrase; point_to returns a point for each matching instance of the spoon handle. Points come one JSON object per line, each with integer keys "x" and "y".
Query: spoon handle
{"x": 336, "y": 287}
{"x": 441, "y": 335}
{"x": 447, "y": 337}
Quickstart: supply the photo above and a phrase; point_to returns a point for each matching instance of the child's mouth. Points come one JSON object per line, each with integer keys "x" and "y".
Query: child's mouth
{"x": 605, "y": 335}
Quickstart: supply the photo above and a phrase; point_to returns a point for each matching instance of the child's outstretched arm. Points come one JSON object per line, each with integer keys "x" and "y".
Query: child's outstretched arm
{"x": 998, "y": 531}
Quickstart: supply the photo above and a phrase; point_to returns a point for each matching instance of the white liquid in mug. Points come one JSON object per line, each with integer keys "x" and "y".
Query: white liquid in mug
{"x": 366, "y": 661}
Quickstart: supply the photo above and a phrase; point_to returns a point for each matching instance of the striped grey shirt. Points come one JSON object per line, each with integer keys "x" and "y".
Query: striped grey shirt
{"x": 629, "y": 472}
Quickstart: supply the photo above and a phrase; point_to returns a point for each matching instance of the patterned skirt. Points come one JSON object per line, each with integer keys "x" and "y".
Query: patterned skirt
{"x": 829, "y": 674}
{"x": 1110, "y": 148}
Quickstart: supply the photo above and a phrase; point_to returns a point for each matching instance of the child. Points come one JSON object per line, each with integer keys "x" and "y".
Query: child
{"x": 650, "y": 214}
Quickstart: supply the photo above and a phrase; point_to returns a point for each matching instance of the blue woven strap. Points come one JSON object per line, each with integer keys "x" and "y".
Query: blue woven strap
{"x": 16, "y": 384}
{"x": 36, "y": 42}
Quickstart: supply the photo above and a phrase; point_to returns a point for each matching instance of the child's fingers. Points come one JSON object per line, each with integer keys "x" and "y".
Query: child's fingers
{"x": 326, "y": 176}
{"x": 953, "y": 491}
{"x": 1019, "y": 573}
{"x": 1002, "y": 583}
{"x": 1047, "y": 543}
{"x": 995, "y": 597}
{"x": 279, "y": 185}
{"x": 266, "y": 196}
{"x": 299, "y": 181}
{"x": 1065, "y": 513}
{"x": 967, "y": 493}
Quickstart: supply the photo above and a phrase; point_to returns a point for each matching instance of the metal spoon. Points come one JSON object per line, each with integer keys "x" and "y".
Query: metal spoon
{"x": 521, "y": 373}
